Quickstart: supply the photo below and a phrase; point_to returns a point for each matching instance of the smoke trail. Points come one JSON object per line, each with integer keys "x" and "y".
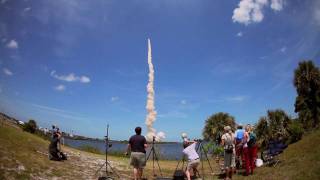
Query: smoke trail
{"x": 152, "y": 114}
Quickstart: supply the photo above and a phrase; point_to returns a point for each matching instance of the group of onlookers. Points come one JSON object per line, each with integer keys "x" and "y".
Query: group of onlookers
{"x": 240, "y": 150}
{"x": 238, "y": 146}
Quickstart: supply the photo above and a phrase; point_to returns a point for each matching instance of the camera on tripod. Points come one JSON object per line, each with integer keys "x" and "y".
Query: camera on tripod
{"x": 198, "y": 140}
{"x": 106, "y": 140}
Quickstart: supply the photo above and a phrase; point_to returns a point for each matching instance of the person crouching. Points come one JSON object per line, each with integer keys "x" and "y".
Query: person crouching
{"x": 193, "y": 157}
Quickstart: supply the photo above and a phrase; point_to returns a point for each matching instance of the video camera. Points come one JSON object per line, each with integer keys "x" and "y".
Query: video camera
{"x": 198, "y": 140}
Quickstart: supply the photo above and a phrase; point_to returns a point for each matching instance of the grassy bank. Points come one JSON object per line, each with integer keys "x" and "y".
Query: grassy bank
{"x": 23, "y": 156}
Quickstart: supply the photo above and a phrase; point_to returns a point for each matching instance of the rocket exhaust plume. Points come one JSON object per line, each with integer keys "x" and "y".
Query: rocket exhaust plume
{"x": 151, "y": 112}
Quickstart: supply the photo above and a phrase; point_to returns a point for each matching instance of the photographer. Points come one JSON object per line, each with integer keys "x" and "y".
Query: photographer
{"x": 54, "y": 152}
{"x": 193, "y": 157}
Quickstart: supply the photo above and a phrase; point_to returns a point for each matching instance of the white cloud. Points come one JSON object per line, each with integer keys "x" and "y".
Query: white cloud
{"x": 12, "y": 44}
{"x": 183, "y": 102}
{"x": 84, "y": 79}
{"x": 251, "y": 11}
{"x": 316, "y": 13}
{"x": 276, "y": 5}
{"x": 283, "y": 49}
{"x": 27, "y": 9}
{"x": 114, "y": 98}
{"x": 236, "y": 98}
{"x": 239, "y": 34}
{"x": 70, "y": 77}
{"x": 7, "y": 72}
{"x": 60, "y": 87}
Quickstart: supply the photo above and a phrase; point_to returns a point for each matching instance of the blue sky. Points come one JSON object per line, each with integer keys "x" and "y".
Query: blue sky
{"x": 82, "y": 64}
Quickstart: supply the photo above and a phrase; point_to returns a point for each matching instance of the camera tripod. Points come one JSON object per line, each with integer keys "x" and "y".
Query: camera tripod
{"x": 202, "y": 151}
{"x": 108, "y": 173}
{"x": 154, "y": 158}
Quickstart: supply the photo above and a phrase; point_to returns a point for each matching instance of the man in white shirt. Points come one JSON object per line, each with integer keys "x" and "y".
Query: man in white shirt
{"x": 193, "y": 157}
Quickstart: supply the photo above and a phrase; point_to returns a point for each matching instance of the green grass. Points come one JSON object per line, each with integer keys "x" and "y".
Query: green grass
{"x": 300, "y": 160}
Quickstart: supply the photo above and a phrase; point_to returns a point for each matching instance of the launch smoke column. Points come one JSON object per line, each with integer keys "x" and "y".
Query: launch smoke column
{"x": 151, "y": 113}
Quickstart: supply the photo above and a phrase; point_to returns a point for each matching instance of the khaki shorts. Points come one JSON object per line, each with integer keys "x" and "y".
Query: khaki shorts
{"x": 138, "y": 159}
{"x": 193, "y": 164}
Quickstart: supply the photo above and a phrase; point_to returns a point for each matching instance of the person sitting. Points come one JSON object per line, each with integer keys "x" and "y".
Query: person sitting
{"x": 193, "y": 157}
{"x": 54, "y": 152}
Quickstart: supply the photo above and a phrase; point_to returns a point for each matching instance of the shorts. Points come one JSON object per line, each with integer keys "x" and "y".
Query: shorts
{"x": 138, "y": 160}
{"x": 193, "y": 164}
{"x": 229, "y": 160}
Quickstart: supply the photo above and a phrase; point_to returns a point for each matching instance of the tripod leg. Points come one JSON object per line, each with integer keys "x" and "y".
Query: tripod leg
{"x": 100, "y": 168}
{"x": 207, "y": 160}
{"x": 158, "y": 163}
{"x": 113, "y": 170}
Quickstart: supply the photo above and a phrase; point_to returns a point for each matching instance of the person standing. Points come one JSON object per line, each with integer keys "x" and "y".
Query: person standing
{"x": 252, "y": 147}
{"x": 137, "y": 145}
{"x": 239, "y": 135}
{"x": 189, "y": 149}
{"x": 247, "y": 158}
{"x": 228, "y": 142}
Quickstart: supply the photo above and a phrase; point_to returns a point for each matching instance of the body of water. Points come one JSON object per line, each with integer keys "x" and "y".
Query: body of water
{"x": 170, "y": 151}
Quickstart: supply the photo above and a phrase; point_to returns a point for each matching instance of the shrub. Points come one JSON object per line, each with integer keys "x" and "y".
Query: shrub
{"x": 30, "y": 126}
{"x": 296, "y": 131}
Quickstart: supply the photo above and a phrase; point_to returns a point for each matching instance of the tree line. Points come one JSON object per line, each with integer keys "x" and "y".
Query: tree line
{"x": 277, "y": 123}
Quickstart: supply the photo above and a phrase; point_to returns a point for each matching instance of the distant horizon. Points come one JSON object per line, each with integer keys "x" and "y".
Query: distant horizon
{"x": 82, "y": 65}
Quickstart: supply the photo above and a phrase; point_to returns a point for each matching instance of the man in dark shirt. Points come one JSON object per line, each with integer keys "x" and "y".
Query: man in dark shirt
{"x": 138, "y": 145}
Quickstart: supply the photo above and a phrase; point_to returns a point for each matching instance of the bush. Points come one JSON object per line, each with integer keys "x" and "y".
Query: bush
{"x": 30, "y": 126}
{"x": 296, "y": 131}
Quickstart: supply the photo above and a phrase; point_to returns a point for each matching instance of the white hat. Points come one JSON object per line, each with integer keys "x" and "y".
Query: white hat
{"x": 184, "y": 135}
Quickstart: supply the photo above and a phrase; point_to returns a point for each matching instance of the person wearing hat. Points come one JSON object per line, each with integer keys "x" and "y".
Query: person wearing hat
{"x": 228, "y": 142}
{"x": 189, "y": 149}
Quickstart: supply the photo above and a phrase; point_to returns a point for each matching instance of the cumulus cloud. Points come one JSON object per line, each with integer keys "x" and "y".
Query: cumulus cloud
{"x": 70, "y": 77}
{"x": 13, "y": 44}
{"x": 276, "y": 5}
{"x": 60, "y": 87}
{"x": 7, "y": 72}
{"x": 251, "y": 11}
{"x": 114, "y": 98}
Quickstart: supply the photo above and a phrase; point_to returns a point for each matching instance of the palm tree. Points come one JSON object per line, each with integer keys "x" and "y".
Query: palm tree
{"x": 214, "y": 125}
{"x": 307, "y": 83}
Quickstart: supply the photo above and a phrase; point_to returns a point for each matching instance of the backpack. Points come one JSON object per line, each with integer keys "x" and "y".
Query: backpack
{"x": 252, "y": 139}
{"x": 229, "y": 147}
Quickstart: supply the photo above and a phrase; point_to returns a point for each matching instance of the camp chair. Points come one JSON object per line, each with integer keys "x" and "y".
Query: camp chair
{"x": 270, "y": 155}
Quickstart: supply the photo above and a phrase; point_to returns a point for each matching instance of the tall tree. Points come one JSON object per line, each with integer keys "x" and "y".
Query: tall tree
{"x": 215, "y": 123}
{"x": 307, "y": 83}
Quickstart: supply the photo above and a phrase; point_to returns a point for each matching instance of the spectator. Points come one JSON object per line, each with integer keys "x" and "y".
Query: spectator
{"x": 137, "y": 145}
{"x": 228, "y": 142}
